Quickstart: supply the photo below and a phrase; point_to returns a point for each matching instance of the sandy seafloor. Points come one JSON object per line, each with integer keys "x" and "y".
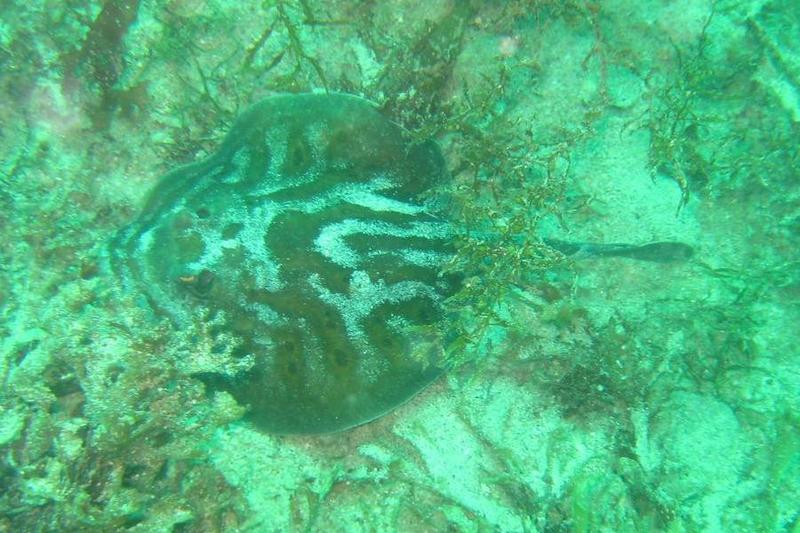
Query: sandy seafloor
{"x": 617, "y": 395}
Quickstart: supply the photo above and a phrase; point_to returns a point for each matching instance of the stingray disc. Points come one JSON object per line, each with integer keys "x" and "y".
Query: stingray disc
{"x": 303, "y": 237}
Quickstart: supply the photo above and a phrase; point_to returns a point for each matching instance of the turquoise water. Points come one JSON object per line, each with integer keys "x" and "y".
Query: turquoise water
{"x": 432, "y": 305}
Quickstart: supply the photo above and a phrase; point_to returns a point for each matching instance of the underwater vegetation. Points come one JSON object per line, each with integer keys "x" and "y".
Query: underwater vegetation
{"x": 581, "y": 395}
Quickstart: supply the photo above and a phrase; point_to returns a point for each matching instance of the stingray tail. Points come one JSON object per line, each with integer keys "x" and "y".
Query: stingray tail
{"x": 658, "y": 252}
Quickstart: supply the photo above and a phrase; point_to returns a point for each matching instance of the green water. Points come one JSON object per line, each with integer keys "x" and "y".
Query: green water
{"x": 578, "y": 392}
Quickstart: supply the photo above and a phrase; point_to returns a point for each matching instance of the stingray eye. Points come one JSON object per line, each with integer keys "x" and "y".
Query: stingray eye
{"x": 304, "y": 239}
{"x": 198, "y": 284}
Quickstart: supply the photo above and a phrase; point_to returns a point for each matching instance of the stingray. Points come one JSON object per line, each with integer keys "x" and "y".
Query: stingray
{"x": 305, "y": 238}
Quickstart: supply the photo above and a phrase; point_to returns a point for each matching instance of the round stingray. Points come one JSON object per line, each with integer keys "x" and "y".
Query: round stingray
{"x": 304, "y": 239}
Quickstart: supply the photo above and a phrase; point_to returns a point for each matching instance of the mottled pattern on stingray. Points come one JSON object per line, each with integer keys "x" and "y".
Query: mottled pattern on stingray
{"x": 306, "y": 234}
